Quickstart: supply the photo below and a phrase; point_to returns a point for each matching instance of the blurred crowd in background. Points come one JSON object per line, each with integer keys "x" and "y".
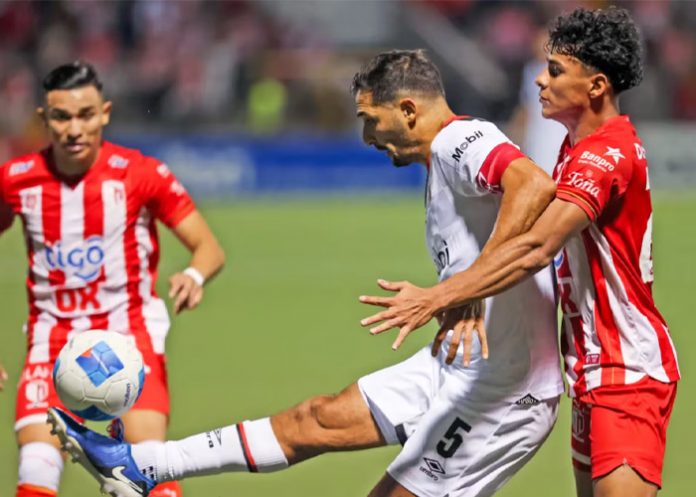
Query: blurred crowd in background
{"x": 276, "y": 66}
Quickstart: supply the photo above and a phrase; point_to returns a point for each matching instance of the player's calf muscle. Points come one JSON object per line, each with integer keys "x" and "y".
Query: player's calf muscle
{"x": 326, "y": 423}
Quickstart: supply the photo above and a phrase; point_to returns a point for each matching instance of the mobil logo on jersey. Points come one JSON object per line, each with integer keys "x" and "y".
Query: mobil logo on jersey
{"x": 82, "y": 260}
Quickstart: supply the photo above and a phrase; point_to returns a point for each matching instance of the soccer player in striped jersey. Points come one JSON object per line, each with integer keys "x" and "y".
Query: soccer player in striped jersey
{"x": 89, "y": 209}
{"x": 620, "y": 361}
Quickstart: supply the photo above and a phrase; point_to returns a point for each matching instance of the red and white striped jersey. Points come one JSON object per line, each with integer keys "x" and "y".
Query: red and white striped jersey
{"x": 614, "y": 334}
{"x": 92, "y": 244}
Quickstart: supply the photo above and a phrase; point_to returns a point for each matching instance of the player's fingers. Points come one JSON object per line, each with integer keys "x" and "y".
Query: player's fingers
{"x": 374, "y": 300}
{"x": 196, "y": 297}
{"x": 392, "y": 286}
{"x": 387, "y": 325}
{"x": 376, "y": 318}
{"x": 175, "y": 285}
{"x": 439, "y": 338}
{"x": 483, "y": 338}
{"x": 468, "y": 331}
{"x": 454, "y": 345}
{"x": 403, "y": 333}
{"x": 182, "y": 298}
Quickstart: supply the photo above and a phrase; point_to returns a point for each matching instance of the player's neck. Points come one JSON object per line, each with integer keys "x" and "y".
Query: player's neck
{"x": 439, "y": 117}
{"x": 590, "y": 120}
{"x": 70, "y": 167}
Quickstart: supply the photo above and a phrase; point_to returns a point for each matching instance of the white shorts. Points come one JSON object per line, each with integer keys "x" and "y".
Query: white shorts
{"x": 460, "y": 439}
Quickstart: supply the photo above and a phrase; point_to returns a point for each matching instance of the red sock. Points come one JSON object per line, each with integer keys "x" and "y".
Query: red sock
{"x": 25, "y": 490}
{"x": 169, "y": 489}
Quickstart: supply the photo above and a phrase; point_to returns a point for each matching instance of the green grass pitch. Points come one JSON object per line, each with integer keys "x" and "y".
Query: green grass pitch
{"x": 281, "y": 324}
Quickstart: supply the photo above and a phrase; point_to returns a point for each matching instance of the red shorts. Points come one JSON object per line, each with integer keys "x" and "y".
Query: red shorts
{"x": 623, "y": 424}
{"x": 36, "y": 393}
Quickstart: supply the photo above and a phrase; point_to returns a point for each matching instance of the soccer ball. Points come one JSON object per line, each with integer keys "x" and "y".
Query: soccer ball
{"x": 99, "y": 374}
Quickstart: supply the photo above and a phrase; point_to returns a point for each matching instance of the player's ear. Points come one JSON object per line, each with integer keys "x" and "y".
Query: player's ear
{"x": 41, "y": 112}
{"x": 408, "y": 109}
{"x": 106, "y": 112}
{"x": 599, "y": 85}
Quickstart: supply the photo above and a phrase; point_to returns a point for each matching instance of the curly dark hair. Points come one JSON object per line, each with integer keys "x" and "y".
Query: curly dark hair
{"x": 388, "y": 73}
{"x": 604, "y": 39}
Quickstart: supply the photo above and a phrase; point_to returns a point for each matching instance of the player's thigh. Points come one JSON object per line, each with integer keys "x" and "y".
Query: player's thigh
{"x": 471, "y": 448}
{"x": 389, "y": 487}
{"x": 144, "y": 424}
{"x": 628, "y": 427}
{"x": 623, "y": 482}
{"x": 328, "y": 422}
{"x": 398, "y": 396}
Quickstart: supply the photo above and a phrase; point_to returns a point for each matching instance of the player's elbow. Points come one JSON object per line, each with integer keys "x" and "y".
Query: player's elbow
{"x": 544, "y": 186}
{"x": 539, "y": 255}
{"x": 218, "y": 256}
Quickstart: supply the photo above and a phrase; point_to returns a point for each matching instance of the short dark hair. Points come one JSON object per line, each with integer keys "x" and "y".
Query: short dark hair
{"x": 69, "y": 76}
{"x": 604, "y": 39}
{"x": 389, "y": 73}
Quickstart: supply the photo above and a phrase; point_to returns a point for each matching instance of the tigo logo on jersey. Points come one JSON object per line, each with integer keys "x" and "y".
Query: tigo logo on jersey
{"x": 83, "y": 261}
{"x": 100, "y": 363}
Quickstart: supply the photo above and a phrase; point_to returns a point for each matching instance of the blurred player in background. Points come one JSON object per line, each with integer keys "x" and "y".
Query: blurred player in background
{"x": 465, "y": 430}
{"x": 620, "y": 361}
{"x": 88, "y": 209}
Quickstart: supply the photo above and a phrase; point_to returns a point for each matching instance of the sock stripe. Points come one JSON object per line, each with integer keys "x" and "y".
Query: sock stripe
{"x": 251, "y": 464}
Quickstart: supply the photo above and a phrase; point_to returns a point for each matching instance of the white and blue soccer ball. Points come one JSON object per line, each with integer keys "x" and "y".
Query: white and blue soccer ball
{"x": 99, "y": 375}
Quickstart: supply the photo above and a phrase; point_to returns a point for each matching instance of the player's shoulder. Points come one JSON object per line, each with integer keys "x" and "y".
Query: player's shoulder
{"x": 23, "y": 167}
{"x": 615, "y": 145}
{"x": 461, "y": 133}
{"x": 131, "y": 160}
{"x": 23, "y": 163}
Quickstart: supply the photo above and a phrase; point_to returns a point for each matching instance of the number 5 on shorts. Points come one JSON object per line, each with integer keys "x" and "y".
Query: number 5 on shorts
{"x": 452, "y": 440}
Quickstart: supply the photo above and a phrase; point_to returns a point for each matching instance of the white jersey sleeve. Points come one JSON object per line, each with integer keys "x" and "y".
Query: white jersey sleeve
{"x": 472, "y": 155}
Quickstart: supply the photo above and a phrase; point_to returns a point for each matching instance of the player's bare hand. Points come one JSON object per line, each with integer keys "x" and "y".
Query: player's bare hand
{"x": 3, "y": 377}
{"x": 187, "y": 294}
{"x": 408, "y": 310}
{"x": 464, "y": 322}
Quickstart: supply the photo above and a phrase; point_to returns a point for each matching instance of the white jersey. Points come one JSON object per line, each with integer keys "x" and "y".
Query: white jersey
{"x": 468, "y": 158}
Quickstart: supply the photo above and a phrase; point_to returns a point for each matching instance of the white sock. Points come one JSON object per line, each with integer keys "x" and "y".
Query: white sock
{"x": 41, "y": 465}
{"x": 248, "y": 446}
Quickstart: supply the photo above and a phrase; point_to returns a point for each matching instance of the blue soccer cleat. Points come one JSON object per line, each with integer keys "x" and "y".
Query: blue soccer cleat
{"x": 108, "y": 460}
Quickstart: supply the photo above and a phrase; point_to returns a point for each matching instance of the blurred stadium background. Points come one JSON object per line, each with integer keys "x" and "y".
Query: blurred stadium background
{"x": 248, "y": 103}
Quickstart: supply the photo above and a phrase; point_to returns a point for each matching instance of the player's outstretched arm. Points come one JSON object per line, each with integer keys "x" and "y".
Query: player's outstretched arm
{"x": 516, "y": 259}
{"x": 527, "y": 191}
{"x": 207, "y": 259}
{"x": 493, "y": 272}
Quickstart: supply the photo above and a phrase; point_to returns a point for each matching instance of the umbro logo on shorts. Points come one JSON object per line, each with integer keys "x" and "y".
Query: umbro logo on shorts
{"x": 434, "y": 466}
{"x": 527, "y": 400}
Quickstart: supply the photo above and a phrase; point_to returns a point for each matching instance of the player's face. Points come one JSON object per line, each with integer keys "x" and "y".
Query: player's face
{"x": 75, "y": 119}
{"x": 386, "y": 127}
{"x": 564, "y": 87}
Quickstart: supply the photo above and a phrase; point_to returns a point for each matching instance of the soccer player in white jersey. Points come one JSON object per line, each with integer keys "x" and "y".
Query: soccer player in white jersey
{"x": 88, "y": 209}
{"x": 465, "y": 430}
{"x": 620, "y": 361}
